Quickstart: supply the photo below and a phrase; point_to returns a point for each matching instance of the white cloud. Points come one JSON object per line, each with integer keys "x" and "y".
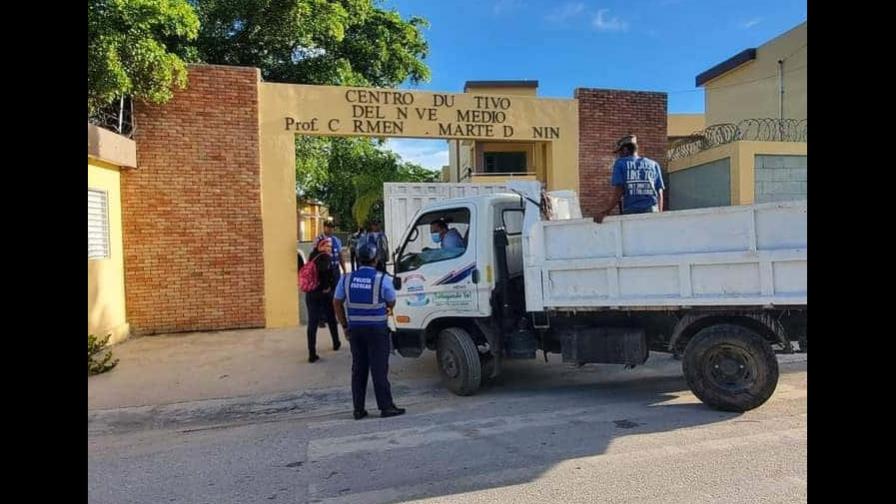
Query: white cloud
{"x": 567, "y": 11}
{"x": 432, "y": 154}
{"x": 602, "y": 23}
{"x": 751, "y": 23}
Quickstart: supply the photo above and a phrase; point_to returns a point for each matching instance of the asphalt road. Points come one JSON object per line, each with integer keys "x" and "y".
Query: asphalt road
{"x": 598, "y": 434}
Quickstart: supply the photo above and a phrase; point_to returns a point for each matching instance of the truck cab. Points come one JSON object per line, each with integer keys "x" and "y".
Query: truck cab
{"x": 453, "y": 281}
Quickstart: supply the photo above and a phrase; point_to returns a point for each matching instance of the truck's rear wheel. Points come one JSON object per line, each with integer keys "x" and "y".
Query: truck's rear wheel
{"x": 730, "y": 367}
{"x": 458, "y": 361}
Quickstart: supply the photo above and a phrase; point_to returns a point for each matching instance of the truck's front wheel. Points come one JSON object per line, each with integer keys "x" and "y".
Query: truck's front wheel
{"x": 458, "y": 361}
{"x": 730, "y": 367}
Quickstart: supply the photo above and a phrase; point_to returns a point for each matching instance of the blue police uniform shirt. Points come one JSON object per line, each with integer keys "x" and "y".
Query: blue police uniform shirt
{"x": 388, "y": 290}
{"x": 337, "y": 249}
{"x": 642, "y": 180}
{"x": 452, "y": 240}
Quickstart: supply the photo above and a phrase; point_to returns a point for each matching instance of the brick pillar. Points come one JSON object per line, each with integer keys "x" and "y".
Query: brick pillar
{"x": 192, "y": 208}
{"x": 604, "y": 117}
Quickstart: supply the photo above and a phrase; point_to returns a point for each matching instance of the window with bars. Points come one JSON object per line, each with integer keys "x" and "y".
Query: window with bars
{"x": 97, "y": 224}
{"x": 505, "y": 162}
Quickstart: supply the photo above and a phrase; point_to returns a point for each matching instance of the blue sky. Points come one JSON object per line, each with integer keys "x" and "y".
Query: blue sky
{"x": 652, "y": 45}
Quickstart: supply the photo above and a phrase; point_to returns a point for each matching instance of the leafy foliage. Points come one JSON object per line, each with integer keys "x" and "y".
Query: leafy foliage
{"x": 99, "y": 359}
{"x": 137, "y": 48}
{"x": 348, "y": 175}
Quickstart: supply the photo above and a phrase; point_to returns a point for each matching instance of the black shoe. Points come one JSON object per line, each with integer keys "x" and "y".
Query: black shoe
{"x": 313, "y": 358}
{"x": 359, "y": 414}
{"x": 393, "y": 411}
{"x": 337, "y": 346}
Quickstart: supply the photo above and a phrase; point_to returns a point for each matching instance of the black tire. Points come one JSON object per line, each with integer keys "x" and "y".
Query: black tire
{"x": 730, "y": 367}
{"x": 458, "y": 361}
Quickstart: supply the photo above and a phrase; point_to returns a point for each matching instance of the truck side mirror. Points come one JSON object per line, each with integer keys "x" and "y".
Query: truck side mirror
{"x": 475, "y": 276}
{"x": 396, "y": 282}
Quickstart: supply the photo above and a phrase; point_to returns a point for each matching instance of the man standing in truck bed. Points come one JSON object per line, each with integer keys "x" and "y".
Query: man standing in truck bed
{"x": 636, "y": 180}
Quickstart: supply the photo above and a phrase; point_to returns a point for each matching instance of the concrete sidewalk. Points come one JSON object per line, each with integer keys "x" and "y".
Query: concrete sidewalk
{"x": 165, "y": 369}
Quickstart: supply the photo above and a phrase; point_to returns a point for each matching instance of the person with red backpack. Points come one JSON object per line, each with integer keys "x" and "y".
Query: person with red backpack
{"x": 317, "y": 279}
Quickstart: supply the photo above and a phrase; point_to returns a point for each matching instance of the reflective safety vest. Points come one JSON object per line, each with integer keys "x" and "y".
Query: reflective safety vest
{"x": 364, "y": 302}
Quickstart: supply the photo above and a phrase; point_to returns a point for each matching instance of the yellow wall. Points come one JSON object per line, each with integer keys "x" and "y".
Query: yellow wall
{"x": 311, "y": 218}
{"x": 743, "y": 157}
{"x": 287, "y": 110}
{"x": 752, "y": 90}
{"x": 502, "y": 90}
{"x": 500, "y": 179}
{"x": 105, "y": 277}
{"x": 680, "y": 125}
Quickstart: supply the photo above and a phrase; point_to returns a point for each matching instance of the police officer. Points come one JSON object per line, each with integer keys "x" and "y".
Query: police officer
{"x": 366, "y": 295}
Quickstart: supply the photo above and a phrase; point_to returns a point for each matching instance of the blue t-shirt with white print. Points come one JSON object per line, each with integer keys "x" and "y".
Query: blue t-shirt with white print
{"x": 642, "y": 180}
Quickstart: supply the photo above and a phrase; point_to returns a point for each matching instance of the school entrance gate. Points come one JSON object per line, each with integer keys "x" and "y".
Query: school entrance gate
{"x": 209, "y": 215}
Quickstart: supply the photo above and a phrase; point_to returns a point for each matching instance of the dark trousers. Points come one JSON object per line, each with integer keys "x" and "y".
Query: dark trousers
{"x": 320, "y": 308}
{"x": 370, "y": 355}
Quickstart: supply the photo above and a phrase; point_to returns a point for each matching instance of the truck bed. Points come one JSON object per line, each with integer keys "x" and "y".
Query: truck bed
{"x": 728, "y": 256}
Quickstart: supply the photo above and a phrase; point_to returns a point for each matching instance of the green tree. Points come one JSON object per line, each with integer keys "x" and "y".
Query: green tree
{"x": 137, "y": 48}
{"x": 339, "y": 42}
{"x": 348, "y": 175}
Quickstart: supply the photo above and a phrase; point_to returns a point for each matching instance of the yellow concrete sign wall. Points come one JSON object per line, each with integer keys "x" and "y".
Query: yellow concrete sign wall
{"x": 340, "y": 111}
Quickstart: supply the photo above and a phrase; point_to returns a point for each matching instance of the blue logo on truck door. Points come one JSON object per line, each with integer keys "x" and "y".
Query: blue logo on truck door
{"x": 416, "y": 284}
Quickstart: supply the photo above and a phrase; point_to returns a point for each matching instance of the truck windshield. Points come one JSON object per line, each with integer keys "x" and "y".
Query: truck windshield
{"x": 436, "y": 236}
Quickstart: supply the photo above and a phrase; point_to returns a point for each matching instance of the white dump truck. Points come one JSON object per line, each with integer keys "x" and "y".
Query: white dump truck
{"x": 722, "y": 288}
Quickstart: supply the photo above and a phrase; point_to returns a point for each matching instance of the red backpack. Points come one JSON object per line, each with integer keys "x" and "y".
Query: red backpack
{"x": 308, "y": 277}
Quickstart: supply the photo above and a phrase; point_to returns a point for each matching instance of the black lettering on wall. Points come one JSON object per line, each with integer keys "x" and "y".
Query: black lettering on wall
{"x": 547, "y": 132}
{"x": 378, "y": 127}
{"x": 441, "y": 100}
{"x": 467, "y": 130}
{"x": 426, "y": 113}
{"x": 492, "y": 102}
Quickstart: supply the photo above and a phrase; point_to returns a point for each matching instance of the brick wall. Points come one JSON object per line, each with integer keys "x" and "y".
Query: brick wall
{"x": 604, "y": 117}
{"x": 193, "y": 251}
